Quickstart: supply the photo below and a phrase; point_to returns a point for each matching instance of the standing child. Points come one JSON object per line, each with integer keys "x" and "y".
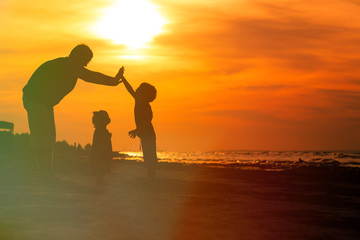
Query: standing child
{"x": 143, "y": 95}
{"x": 101, "y": 151}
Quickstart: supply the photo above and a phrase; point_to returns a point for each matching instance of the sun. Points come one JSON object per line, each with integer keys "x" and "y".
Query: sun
{"x": 133, "y": 23}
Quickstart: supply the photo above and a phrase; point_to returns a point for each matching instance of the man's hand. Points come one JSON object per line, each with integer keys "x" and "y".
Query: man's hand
{"x": 118, "y": 81}
{"x": 133, "y": 133}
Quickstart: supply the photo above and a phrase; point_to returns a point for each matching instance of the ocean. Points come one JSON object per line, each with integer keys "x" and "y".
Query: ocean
{"x": 254, "y": 159}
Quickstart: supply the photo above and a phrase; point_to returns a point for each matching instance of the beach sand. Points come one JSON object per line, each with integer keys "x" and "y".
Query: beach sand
{"x": 182, "y": 202}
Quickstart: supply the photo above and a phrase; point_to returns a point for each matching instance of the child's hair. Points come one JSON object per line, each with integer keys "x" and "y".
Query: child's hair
{"x": 100, "y": 118}
{"x": 148, "y": 91}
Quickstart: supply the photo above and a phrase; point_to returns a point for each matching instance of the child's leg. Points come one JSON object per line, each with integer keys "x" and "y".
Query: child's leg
{"x": 98, "y": 173}
{"x": 149, "y": 153}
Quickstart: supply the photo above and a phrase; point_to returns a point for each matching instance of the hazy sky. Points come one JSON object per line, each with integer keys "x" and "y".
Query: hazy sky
{"x": 272, "y": 75}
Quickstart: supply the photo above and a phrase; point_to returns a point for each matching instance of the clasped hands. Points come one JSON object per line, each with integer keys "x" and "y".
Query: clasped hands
{"x": 119, "y": 76}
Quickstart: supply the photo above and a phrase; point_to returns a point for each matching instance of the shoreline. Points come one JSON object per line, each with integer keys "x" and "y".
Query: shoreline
{"x": 256, "y": 160}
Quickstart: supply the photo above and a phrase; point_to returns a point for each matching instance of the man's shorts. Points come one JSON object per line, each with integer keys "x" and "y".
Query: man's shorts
{"x": 41, "y": 124}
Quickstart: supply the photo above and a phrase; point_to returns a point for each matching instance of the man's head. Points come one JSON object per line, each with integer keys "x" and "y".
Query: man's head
{"x": 81, "y": 55}
{"x": 146, "y": 91}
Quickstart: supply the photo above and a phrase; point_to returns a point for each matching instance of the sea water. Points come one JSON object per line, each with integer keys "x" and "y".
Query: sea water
{"x": 257, "y": 159}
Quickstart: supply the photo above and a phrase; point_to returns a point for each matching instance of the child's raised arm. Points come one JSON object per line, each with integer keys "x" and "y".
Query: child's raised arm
{"x": 126, "y": 83}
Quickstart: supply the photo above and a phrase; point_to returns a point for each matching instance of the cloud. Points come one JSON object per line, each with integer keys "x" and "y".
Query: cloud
{"x": 355, "y": 2}
{"x": 343, "y": 99}
{"x": 354, "y": 81}
{"x": 286, "y": 37}
{"x": 254, "y": 116}
{"x": 7, "y": 51}
{"x": 274, "y": 87}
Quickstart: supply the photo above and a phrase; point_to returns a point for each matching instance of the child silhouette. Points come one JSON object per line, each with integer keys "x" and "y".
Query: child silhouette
{"x": 143, "y": 95}
{"x": 101, "y": 151}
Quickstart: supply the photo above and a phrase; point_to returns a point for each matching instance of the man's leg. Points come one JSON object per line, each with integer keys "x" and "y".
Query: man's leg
{"x": 42, "y": 130}
{"x": 44, "y": 158}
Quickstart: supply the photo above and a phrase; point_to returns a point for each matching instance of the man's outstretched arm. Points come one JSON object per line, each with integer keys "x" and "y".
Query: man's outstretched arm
{"x": 98, "y": 78}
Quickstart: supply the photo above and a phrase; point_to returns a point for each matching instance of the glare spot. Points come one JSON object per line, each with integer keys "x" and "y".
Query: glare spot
{"x": 133, "y": 23}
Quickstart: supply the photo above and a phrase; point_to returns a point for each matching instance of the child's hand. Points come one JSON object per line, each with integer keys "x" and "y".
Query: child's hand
{"x": 133, "y": 133}
{"x": 120, "y": 74}
{"x": 122, "y": 70}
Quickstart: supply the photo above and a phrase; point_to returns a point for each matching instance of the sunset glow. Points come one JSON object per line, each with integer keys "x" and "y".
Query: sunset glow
{"x": 268, "y": 74}
{"x": 130, "y": 22}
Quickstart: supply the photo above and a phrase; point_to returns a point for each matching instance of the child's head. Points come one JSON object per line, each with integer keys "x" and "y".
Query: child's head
{"x": 100, "y": 119}
{"x": 146, "y": 91}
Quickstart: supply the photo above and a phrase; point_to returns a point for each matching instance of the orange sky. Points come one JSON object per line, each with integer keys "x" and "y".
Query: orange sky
{"x": 232, "y": 74}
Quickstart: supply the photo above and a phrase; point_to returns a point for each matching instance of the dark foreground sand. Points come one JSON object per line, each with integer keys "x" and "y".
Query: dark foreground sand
{"x": 183, "y": 202}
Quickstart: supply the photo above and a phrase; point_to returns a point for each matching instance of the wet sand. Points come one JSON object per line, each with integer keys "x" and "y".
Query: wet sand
{"x": 182, "y": 202}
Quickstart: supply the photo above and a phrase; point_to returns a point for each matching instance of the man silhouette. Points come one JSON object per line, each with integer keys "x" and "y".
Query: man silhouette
{"x": 48, "y": 85}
